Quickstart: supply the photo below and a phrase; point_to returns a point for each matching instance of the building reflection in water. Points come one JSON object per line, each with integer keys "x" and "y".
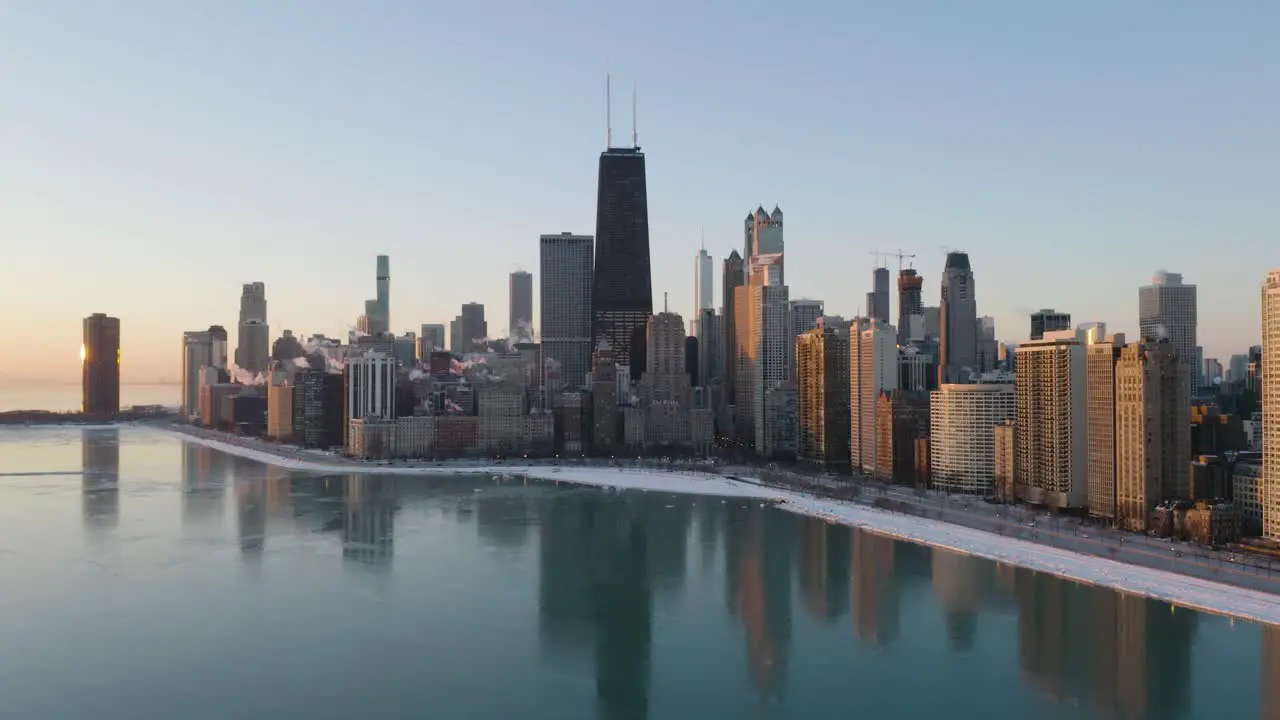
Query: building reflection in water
{"x": 1123, "y": 655}
{"x": 1270, "y": 681}
{"x": 100, "y": 483}
{"x": 826, "y": 556}
{"x": 503, "y": 516}
{"x": 595, "y": 596}
{"x": 251, "y": 505}
{"x": 876, "y": 589}
{"x": 961, "y": 583}
{"x": 368, "y": 520}
{"x": 759, "y": 550}
{"x": 204, "y": 482}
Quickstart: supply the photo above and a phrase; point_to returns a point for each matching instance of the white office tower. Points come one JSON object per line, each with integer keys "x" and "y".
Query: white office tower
{"x": 566, "y": 264}
{"x": 1167, "y": 311}
{"x": 1270, "y": 483}
{"x": 253, "y": 339}
{"x": 703, "y": 297}
{"x": 873, "y": 369}
{"x": 765, "y": 345}
{"x": 962, "y": 422}
{"x": 371, "y": 387}
{"x": 1051, "y": 437}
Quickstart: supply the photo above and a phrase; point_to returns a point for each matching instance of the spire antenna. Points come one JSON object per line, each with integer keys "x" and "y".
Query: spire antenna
{"x": 635, "y": 137}
{"x": 608, "y": 112}
{"x": 664, "y": 302}
{"x": 703, "y": 232}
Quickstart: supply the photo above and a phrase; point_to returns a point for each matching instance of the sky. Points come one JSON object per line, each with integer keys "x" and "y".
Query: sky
{"x": 154, "y": 156}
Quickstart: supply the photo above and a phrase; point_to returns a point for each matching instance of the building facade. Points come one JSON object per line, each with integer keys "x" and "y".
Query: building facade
{"x": 253, "y": 341}
{"x": 520, "y": 307}
{"x": 1270, "y": 396}
{"x": 957, "y": 321}
{"x": 1167, "y": 310}
{"x": 1051, "y": 437}
{"x": 822, "y": 398}
{"x": 622, "y": 289}
{"x": 100, "y": 368}
{"x": 873, "y": 369}
{"x": 962, "y": 421}
{"x": 566, "y": 262}
{"x": 1048, "y": 320}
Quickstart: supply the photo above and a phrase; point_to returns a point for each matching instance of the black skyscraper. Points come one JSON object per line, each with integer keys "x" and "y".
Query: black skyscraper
{"x": 622, "y": 292}
{"x": 100, "y": 355}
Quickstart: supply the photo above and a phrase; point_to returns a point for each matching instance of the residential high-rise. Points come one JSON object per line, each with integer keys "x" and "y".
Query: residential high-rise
{"x": 622, "y": 290}
{"x": 384, "y": 292}
{"x": 100, "y": 369}
{"x": 732, "y": 277}
{"x": 910, "y": 304}
{"x": 1167, "y": 309}
{"x": 763, "y": 236}
{"x": 1048, "y": 320}
{"x": 873, "y": 368}
{"x": 878, "y": 298}
{"x": 604, "y": 400}
{"x": 703, "y": 291}
{"x": 962, "y": 428}
{"x": 565, "y": 262}
{"x": 1051, "y": 446}
{"x": 1270, "y": 482}
{"x": 957, "y": 321}
{"x": 665, "y": 378}
{"x": 1153, "y": 430}
{"x": 200, "y": 348}
{"x": 371, "y": 386}
{"x": 822, "y": 397}
{"x": 253, "y": 341}
{"x": 1101, "y": 355}
{"x": 520, "y": 300}
{"x": 765, "y": 346}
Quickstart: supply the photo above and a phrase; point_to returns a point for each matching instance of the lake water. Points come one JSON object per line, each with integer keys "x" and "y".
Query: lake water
{"x": 64, "y": 397}
{"x": 162, "y": 579}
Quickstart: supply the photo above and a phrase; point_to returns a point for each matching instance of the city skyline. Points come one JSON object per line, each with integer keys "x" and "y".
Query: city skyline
{"x": 1068, "y": 160}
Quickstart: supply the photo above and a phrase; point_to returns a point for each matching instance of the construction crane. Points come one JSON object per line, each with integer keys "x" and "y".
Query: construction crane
{"x": 902, "y": 256}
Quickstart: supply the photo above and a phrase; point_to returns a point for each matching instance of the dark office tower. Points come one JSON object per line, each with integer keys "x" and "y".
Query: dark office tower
{"x": 520, "y": 322}
{"x": 565, "y": 263}
{"x": 1047, "y": 320}
{"x": 100, "y": 355}
{"x": 622, "y": 294}
{"x": 732, "y": 277}
{"x": 957, "y": 321}
{"x": 879, "y": 309}
{"x": 910, "y": 303}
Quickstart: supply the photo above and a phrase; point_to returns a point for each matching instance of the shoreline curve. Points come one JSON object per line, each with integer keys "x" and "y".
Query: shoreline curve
{"x": 1182, "y": 590}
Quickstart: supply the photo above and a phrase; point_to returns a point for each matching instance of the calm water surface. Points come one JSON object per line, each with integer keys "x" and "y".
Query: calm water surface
{"x": 161, "y": 579}
{"x": 65, "y": 397}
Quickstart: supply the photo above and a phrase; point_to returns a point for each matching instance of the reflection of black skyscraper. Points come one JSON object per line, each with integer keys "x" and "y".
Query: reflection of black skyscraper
{"x": 100, "y": 489}
{"x": 622, "y": 293}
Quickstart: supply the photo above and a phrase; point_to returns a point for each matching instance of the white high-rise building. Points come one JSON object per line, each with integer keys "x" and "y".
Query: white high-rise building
{"x": 371, "y": 387}
{"x": 1167, "y": 309}
{"x": 873, "y": 368}
{"x": 703, "y": 295}
{"x": 962, "y": 422}
{"x": 1051, "y": 436}
{"x": 1269, "y": 490}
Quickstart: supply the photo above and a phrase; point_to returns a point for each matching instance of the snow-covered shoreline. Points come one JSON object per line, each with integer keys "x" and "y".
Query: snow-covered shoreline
{"x": 1184, "y": 590}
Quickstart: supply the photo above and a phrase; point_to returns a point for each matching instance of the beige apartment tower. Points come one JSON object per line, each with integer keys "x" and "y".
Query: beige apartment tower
{"x": 1101, "y": 355}
{"x": 1269, "y": 490}
{"x": 1152, "y": 430}
{"x": 1051, "y": 433}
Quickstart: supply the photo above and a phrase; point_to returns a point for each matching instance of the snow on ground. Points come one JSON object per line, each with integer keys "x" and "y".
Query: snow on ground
{"x": 1171, "y": 587}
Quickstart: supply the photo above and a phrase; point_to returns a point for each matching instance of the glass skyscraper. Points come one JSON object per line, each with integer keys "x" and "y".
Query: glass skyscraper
{"x": 622, "y": 291}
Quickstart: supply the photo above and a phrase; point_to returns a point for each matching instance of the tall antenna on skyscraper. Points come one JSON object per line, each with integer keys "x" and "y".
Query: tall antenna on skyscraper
{"x": 703, "y": 232}
{"x": 608, "y": 113}
{"x": 664, "y": 302}
{"x": 635, "y": 137}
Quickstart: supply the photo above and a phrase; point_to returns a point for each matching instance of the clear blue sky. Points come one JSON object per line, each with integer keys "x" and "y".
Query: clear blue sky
{"x": 155, "y": 155}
